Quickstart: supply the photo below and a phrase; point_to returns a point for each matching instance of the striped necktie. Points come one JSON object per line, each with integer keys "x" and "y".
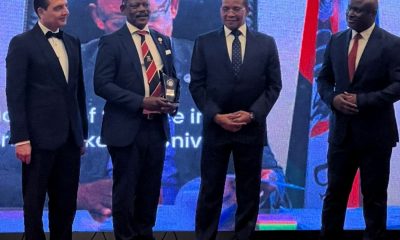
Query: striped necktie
{"x": 153, "y": 79}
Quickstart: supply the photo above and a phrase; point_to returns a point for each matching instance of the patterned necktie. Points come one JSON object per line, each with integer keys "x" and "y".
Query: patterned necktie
{"x": 153, "y": 79}
{"x": 353, "y": 57}
{"x": 236, "y": 52}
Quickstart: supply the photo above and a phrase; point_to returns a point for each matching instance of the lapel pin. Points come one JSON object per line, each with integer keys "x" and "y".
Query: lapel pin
{"x": 160, "y": 40}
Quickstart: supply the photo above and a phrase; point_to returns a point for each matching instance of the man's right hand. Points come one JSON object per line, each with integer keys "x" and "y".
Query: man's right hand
{"x": 226, "y": 121}
{"x": 157, "y": 104}
{"x": 23, "y": 152}
{"x": 342, "y": 105}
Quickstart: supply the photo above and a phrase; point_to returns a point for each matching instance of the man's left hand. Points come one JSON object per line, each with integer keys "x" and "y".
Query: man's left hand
{"x": 242, "y": 117}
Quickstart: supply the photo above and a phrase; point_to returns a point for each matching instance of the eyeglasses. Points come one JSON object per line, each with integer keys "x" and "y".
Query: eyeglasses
{"x": 233, "y": 9}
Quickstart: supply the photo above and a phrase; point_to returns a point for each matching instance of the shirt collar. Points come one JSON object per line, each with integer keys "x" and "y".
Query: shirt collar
{"x": 133, "y": 29}
{"x": 45, "y": 29}
{"x": 242, "y": 29}
{"x": 364, "y": 34}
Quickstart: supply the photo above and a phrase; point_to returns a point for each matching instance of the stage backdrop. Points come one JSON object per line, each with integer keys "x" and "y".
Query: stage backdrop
{"x": 297, "y": 125}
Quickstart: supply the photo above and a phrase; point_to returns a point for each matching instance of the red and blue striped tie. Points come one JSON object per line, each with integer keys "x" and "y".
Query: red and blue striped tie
{"x": 153, "y": 79}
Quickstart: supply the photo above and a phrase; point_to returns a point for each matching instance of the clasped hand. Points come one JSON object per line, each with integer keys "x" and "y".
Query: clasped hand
{"x": 346, "y": 103}
{"x": 233, "y": 122}
{"x": 158, "y": 104}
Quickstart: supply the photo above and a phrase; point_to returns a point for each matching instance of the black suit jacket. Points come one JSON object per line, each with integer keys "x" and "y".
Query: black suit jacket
{"x": 118, "y": 79}
{"x": 376, "y": 83}
{"x": 43, "y": 107}
{"x": 215, "y": 89}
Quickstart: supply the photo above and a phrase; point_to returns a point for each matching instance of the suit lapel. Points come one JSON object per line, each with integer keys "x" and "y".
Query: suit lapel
{"x": 370, "y": 50}
{"x": 222, "y": 49}
{"x": 345, "y": 54}
{"x": 159, "y": 42}
{"x": 49, "y": 54}
{"x": 129, "y": 46}
{"x": 71, "y": 63}
{"x": 251, "y": 49}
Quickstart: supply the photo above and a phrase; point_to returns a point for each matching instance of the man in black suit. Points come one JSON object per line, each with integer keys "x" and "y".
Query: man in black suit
{"x": 46, "y": 103}
{"x": 235, "y": 81}
{"x": 360, "y": 81}
{"x": 135, "y": 124}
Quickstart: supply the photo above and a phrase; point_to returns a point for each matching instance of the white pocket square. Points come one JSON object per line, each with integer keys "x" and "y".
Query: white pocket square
{"x": 168, "y": 52}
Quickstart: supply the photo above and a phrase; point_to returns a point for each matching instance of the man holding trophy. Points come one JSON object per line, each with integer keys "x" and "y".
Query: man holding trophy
{"x": 134, "y": 73}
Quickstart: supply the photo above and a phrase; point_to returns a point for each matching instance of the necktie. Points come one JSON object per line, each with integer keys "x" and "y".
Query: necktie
{"x": 58, "y": 35}
{"x": 236, "y": 52}
{"x": 353, "y": 56}
{"x": 153, "y": 79}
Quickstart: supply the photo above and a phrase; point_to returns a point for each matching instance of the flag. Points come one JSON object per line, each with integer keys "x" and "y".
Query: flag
{"x": 306, "y": 163}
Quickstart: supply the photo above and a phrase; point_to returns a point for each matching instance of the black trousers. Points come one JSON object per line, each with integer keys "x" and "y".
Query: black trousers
{"x": 55, "y": 172}
{"x": 137, "y": 170}
{"x": 374, "y": 165}
{"x": 214, "y": 163}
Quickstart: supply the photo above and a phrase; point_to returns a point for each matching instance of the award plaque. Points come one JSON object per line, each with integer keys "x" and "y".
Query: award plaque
{"x": 170, "y": 87}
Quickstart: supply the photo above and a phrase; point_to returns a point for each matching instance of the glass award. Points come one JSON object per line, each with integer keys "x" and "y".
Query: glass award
{"x": 170, "y": 87}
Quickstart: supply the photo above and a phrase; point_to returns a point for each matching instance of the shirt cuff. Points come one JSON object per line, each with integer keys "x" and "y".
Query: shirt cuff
{"x": 22, "y": 143}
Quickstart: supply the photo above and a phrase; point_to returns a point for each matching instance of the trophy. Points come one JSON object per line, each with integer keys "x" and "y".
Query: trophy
{"x": 170, "y": 87}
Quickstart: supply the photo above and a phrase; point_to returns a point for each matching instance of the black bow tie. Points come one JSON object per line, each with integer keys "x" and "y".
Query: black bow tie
{"x": 58, "y": 35}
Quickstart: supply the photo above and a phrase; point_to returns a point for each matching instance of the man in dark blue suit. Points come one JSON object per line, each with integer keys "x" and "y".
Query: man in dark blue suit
{"x": 46, "y": 103}
{"x": 96, "y": 168}
{"x": 135, "y": 124}
{"x": 360, "y": 81}
{"x": 235, "y": 81}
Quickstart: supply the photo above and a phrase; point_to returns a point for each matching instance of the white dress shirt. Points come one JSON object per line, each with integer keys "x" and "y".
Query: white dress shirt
{"x": 153, "y": 50}
{"x": 59, "y": 49}
{"x": 362, "y": 42}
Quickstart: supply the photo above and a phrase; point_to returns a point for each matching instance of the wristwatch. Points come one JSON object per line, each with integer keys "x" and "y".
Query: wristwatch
{"x": 251, "y": 116}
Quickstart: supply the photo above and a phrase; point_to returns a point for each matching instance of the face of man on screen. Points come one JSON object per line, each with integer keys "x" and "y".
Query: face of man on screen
{"x": 163, "y": 12}
{"x": 55, "y": 15}
{"x": 107, "y": 15}
{"x": 234, "y": 13}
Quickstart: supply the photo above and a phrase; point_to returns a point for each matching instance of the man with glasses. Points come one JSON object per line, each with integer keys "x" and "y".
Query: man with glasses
{"x": 235, "y": 81}
{"x": 360, "y": 81}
